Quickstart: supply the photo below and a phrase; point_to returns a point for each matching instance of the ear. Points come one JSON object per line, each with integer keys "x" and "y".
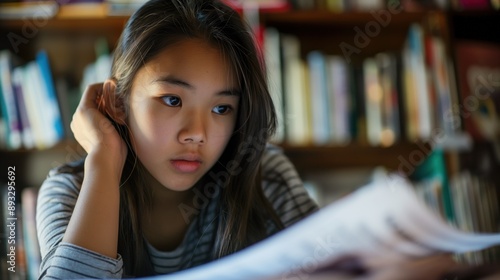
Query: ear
{"x": 111, "y": 103}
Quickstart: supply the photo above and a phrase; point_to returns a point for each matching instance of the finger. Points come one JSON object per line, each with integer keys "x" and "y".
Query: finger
{"x": 108, "y": 100}
{"x": 90, "y": 95}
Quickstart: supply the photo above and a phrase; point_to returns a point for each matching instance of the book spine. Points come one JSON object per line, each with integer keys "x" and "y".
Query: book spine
{"x": 373, "y": 101}
{"x": 33, "y": 258}
{"x": 339, "y": 100}
{"x": 319, "y": 97}
{"x": 17, "y": 82}
{"x": 34, "y": 105}
{"x": 53, "y": 110}
{"x": 417, "y": 63}
{"x": 296, "y": 125}
{"x": 8, "y": 102}
{"x": 274, "y": 76}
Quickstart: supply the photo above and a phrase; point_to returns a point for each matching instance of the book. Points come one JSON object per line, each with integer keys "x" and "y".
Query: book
{"x": 272, "y": 55}
{"x": 29, "y": 104}
{"x": 433, "y": 173}
{"x": 267, "y": 6}
{"x": 388, "y": 79}
{"x": 29, "y": 9}
{"x": 12, "y": 238}
{"x": 52, "y": 105}
{"x": 384, "y": 222}
{"x": 33, "y": 102}
{"x": 476, "y": 207}
{"x": 418, "y": 98}
{"x": 373, "y": 101}
{"x": 367, "y": 5}
{"x": 296, "y": 98}
{"x": 320, "y": 98}
{"x": 472, "y": 4}
{"x": 123, "y": 7}
{"x": 20, "y": 269}
{"x": 340, "y": 103}
{"x": 32, "y": 249}
{"x": 4, "y": 235}
{"x": 358, "y": 116}
{"x": 26, "y": 130}
{"x": 8, "y": 102}
{"x": 83, "y": 9}
{"x": 478, "y": 68}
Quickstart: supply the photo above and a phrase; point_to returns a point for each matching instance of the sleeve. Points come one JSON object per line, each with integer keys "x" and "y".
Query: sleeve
{"x": 56, "y": 201}
{"x": 284, "y": 188}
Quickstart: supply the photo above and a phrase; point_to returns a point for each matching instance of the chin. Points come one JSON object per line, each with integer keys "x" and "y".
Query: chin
{"x": 179, "y": 186}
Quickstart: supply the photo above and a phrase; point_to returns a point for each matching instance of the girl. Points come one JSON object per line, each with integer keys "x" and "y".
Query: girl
{"x": 178, "y": 172}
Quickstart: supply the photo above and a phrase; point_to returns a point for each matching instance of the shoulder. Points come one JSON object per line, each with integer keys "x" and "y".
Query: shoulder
{"x": 61, "y": 188}
{"x": 66, "y": 178}
{"x": 283, "y": 187}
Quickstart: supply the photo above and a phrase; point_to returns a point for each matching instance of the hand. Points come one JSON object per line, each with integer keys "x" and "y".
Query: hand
{"x": 361, "y": 268}
{"x": 93, "y": 129}
{"x": 433, "y": 267}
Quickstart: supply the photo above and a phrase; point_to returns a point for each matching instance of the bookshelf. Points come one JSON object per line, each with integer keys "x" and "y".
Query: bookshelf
{"x": 314, "y": 158}
{"x": 33, "y": 165}
{"x": 323, "y": 30}
{"x": 69, "y": 43}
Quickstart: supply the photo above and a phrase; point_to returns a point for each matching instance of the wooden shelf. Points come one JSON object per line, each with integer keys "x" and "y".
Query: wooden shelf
{"x": 32, "y": 166}
{"x": 325, "y": 18}
{"x": 66, "y": 144}
{"x": 356, "y": 155}
{"x": 87, "y": 24}
{"x": 305, "y": 159}
{"x": 326, "y": 31}
{"x": 70, "y": 44}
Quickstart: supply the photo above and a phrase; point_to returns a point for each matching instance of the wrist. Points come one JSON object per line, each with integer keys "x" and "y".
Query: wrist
{"x": 102, "y": 161}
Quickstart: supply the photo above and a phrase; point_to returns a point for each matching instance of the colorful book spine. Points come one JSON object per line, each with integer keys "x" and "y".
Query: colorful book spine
{"x": 32, "y": 249}
{"x": 8, "y": 103}
{"x": 320, "y": 97}
{"x": 340, "y": 107}
{"x": 53, "y": 112}
{"x": 26, "y": 132}
{"x": 295, "y": 93}
{"x": 272, "y": 54}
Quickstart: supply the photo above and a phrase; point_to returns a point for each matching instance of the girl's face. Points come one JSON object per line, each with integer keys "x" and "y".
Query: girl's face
{"x": 183, "y": 109}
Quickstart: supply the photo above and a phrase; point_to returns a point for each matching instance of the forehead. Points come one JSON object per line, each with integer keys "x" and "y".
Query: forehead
{"x": 192, "y": 59}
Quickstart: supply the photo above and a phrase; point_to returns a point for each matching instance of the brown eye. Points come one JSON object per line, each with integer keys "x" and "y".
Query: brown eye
{"x": 222, "y": 109}
{"x": 172, "y": 100}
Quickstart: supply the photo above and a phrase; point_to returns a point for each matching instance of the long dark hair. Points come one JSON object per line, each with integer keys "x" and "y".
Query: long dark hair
{"x": 244, "y": 210}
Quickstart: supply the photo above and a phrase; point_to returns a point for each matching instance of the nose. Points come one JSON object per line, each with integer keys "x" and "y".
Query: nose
{"x": 193, "y": 130}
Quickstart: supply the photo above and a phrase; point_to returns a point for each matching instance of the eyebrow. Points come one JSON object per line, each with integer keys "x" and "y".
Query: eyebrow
{"x": 172, "y": 80}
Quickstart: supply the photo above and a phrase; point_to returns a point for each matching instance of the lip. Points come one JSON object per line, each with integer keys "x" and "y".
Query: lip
{"x": 186, "y": 163}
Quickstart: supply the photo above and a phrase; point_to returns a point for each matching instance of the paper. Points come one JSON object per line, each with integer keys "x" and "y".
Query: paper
{"x": 384, "y": 221}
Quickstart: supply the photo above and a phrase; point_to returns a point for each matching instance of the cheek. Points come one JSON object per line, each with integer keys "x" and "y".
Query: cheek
{"x": 222, "y": 133}
{"x": 149, "y": 130}
{"x": 156, "y": 132}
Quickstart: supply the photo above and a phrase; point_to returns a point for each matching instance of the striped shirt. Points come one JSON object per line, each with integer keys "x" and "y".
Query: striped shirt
{"x": 57, "y": 199}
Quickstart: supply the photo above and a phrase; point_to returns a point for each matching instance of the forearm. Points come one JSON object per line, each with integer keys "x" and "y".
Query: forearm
{"x": 95, "y": 219}
{"x": 68, "y": 261}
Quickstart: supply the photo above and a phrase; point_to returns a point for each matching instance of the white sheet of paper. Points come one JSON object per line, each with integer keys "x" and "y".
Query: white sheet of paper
{"x": 384, "y": 220}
